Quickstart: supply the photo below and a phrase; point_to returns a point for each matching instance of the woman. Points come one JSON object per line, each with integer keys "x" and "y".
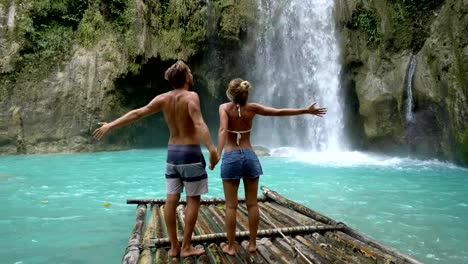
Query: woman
{"x": 239, "y": 160}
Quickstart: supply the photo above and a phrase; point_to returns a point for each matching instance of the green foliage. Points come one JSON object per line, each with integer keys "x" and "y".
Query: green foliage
{"x": 182, "y": 29}
{"x": 413, "y": 20}
{"x": 91, "y": 27}
{"x": 366, "y": 20}
{"x": 64, "y": 12}
{"x": 48, "y": 30}
{"x": 235, "y": 18}
{"x": 119, "y": 12}
{"x": 113, "y": 8}
{"x": 416, "y": 7}
{"x": 462, "y": 146}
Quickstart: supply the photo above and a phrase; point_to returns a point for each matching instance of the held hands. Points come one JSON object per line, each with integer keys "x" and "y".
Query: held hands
{"x": 214, "y": 159}
{"x": 102, "y": 131}
{"x": 316, "y": 111}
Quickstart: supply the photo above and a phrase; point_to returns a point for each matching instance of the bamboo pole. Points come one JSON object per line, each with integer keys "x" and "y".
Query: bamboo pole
{"x": 253, "y": 258}
{"x": 264, "y": 249}
{"x": 161, "y": 255}
{"x": 202, "y": 223}
{"x": 246, "y": 234}
{"x": 402, "y": 258}
{"x": 158, "y": 229}
{"x": 163, "y": 222}
{"x": 146, "y": 255}
{"x": 211, "y": 220}
{"x": 326, "y": 250}
{"x": 132, "y": 252}
{"x": 296, "y": 206}
{"x": 309, "y": 253}
{"x": 180, "y": 222}
{"x": 361, "y": 248}
{"x": 184, "y": 202}
{"x": 330, "y": 254}
{"x": 204, "y": 259}
{"x": 242, "y": 219}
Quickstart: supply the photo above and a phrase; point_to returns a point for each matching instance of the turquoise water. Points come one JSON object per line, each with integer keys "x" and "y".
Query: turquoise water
{"x": 52, "y": 205}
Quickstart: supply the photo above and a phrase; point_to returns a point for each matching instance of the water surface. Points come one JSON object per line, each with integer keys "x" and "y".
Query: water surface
{"x": 53, "y": 205}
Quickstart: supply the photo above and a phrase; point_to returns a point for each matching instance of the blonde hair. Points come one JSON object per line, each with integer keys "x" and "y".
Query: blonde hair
{"x": 238, "y": 91}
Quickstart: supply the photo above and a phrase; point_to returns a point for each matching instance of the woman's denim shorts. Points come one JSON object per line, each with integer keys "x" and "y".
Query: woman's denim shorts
{"x": 239, "y": 163}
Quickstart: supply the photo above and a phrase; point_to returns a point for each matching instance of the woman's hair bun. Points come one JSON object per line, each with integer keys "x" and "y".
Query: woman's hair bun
{"x": 245, "y": 85}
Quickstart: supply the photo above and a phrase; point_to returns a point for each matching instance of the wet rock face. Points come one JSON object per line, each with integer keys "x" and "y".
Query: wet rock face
{"x": 376, "y": 56}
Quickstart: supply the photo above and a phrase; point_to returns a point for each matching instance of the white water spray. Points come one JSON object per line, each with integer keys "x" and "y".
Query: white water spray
{"x": 297, "y": 63}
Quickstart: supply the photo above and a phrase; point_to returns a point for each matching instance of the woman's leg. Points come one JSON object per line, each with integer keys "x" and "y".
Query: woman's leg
{"x": 230, "y": 194}
{"x": 251, "y": 189}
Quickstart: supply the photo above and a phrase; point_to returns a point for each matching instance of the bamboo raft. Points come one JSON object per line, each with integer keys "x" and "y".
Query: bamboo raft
{"x": 288, "y": 233}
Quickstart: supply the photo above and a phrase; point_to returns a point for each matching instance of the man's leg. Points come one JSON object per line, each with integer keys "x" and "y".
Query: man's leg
{"x": 170, "y": 217}
{"x": 251, "y": 188}
{"x": 191, "y": 214}
{"x": 230, "y": 193}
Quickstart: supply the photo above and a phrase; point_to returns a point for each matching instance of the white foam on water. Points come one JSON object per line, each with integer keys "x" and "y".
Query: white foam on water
{"x": 356, "y": 159}
{"x": 63, "y": 218}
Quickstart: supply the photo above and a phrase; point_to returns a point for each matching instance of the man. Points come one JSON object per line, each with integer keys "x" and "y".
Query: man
{"x": 185, "y": 163}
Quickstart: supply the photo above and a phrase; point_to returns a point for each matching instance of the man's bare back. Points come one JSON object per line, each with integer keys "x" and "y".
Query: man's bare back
{"x": 176, "y": 113}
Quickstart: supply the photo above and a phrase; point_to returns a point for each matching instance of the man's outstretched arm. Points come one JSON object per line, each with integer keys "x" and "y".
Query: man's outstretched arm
{"x": 153, "y": 107}
{"x": 202, "y": 130}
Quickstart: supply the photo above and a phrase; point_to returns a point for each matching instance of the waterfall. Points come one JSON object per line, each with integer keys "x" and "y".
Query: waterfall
{"x": 409, "y": 102}
{"x": 297, "y": 63}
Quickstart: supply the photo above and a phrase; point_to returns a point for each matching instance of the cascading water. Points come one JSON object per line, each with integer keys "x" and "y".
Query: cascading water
{"x": 297, "y": 63}
{"x": 409, "y": 89}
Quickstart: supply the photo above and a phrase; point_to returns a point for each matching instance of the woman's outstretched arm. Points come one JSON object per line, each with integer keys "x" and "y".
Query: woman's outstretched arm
{"x": 270, "y": 111}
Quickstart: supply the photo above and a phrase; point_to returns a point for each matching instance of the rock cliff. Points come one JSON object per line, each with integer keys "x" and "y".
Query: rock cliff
{"x": 379, "y": 38}
{"x": 66, "y": 65}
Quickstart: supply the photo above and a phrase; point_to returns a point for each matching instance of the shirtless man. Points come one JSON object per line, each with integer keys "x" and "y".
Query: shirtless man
{"x": 185, "y": 163}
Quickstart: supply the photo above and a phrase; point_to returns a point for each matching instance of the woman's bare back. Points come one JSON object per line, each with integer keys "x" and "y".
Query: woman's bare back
{"x": 241, "y": 124}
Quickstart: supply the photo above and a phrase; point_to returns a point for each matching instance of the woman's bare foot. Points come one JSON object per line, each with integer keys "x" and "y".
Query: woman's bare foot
{"x": 174, "y": 252}
{"x": 192, "y": 251}
{"x": 230, "y": 250}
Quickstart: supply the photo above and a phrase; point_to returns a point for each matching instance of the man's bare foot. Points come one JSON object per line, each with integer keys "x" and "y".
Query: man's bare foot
{"x": 174, "y": 252}
{"x": 230, "y": 250}
{"x": 192, "y": 251}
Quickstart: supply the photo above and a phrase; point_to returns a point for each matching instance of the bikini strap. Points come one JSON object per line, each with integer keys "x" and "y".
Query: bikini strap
{"x": 238, "y": 109}
{"x": 239, "y": 134}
